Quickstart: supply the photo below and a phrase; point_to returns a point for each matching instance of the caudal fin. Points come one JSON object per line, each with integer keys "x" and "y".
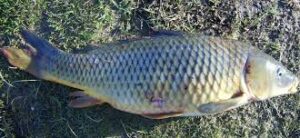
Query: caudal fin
{"x": 31, "y": 56}
{"x": 17, "y": 57}
{"x": 41, "y": 46}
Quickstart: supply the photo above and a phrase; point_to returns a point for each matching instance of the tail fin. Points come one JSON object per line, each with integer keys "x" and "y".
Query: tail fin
{"x": 32, "y": 57}
{"x": 17, "y": 57}
{"x": 41, "y": 46}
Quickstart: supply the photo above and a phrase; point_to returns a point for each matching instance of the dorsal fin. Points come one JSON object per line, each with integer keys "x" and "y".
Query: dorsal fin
{"x": 91, "y": 47}
{"x": 86, "y": 49}
{"x": 165, "y": 33}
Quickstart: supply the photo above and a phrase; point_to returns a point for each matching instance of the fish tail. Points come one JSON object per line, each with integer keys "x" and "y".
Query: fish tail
{"x": 17, "y": 57}
{"x": 40, "y": 46}
{"x": 31, "y": 56}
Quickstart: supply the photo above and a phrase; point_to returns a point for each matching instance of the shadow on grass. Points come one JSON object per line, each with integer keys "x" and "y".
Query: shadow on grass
{"x": 39, "y": 108}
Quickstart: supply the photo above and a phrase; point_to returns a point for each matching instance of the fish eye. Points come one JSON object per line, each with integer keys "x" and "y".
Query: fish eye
{"x": 279, "y": 72}
{"x": 282, "y": 78}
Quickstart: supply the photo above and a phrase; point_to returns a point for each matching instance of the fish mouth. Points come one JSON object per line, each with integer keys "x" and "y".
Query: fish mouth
{"x": 294, "y": 86}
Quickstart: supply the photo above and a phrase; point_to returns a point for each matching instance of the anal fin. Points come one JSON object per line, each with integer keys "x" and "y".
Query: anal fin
{"x": 163, "y": 115}
{"x": 81, "y": 100}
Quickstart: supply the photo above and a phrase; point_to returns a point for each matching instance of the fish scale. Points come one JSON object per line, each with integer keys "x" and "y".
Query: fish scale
{"x": 126, "y": 74}
{"x": 158, "y": 77}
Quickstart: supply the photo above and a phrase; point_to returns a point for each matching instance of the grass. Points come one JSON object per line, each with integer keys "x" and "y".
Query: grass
{"x": 37, "y": 108}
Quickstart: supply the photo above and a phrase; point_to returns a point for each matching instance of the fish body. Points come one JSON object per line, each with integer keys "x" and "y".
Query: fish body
{"x": 159, "y": 77}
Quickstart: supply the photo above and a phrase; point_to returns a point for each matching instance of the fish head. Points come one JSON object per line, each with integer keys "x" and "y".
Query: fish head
{"x": 267, "y": 78}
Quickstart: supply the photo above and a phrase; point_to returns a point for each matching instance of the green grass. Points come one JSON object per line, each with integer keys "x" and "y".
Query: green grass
{"x": 39, "y": 109}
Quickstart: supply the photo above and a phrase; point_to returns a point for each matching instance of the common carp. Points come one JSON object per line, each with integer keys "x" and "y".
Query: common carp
{"x": 175, "y": 74}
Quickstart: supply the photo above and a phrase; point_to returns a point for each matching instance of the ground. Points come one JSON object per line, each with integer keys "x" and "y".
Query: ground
{"x": 34, "y": 108}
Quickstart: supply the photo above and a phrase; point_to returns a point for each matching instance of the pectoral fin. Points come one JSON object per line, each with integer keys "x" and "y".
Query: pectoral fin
{"x": 221, "y": 106}
{"x": 82, "y": 100}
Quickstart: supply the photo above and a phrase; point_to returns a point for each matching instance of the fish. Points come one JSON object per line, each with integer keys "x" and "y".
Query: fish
{"x": 161, "y": 76}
